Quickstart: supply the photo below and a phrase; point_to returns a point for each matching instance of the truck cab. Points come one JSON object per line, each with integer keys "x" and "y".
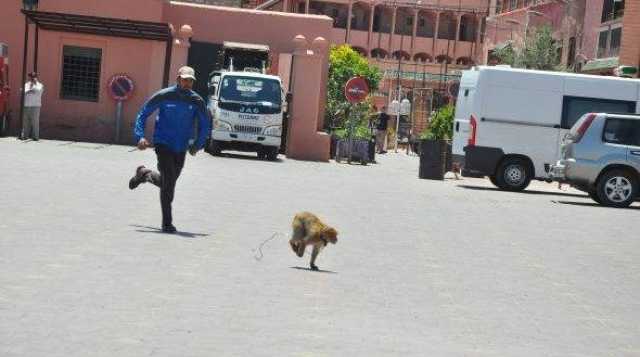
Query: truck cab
{"x": 246, "y": 104}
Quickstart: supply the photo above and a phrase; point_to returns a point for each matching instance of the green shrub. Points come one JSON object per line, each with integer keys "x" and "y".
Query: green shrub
{"x": 441, "y": 125}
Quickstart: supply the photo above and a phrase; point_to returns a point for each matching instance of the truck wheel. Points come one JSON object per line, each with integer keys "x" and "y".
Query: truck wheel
{"x": 513, "y": 175}
{"x": 617, "y": 188}
{"x": 272, "y": 153}
{"x": 214, "y": 148}
{"x": 262, "y": 154}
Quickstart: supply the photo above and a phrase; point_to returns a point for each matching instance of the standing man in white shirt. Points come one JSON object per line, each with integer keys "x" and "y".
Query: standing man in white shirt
{"x": 32, "y": 102}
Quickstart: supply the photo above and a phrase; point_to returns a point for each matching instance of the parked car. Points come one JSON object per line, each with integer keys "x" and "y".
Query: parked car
{"x": 601, "y": 156}
{"x": 509, "y": 122}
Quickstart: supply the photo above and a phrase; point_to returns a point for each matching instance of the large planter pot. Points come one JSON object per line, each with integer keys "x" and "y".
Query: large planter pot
{"x": 359, "y": 150}
{"x": 433, "y": 159}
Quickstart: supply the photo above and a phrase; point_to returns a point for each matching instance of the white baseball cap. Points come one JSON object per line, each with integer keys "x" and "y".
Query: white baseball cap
{"x": 187, "y": 72}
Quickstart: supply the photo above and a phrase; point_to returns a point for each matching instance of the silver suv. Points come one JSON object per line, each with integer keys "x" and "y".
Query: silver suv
{"x": 601, "y": 156}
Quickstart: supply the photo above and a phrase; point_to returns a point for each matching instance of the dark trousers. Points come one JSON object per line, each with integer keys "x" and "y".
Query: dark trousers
{"x": 170, "y": 165}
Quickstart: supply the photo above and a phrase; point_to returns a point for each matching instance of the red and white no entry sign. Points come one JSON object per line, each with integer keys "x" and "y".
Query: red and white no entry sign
{"x": 356, "y": 90}
{"x": 121, "y": 87}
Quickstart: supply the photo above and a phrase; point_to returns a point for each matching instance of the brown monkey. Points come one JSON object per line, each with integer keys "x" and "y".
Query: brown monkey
{"x": 308, "y": 229}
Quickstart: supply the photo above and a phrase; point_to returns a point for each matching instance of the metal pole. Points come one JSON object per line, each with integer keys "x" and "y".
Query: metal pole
{"x": 350, "y": 133}
{"x": 35, "y": 55}
{"x": 399, "y": 88}
{"x": 24, "y": 69}
{"x": 118, "y": 120}
{"x": 526, "y": 30}
{"x": 167, "y": 61}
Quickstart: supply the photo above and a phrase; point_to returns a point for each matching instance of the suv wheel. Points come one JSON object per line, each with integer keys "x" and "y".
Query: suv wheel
{"x": 617, "y": 188}
{"x": 214, "y": 148}
{"x": 594, "y": 196}
{"x": 513, "y": 175}
{"x": 272, "y": 153}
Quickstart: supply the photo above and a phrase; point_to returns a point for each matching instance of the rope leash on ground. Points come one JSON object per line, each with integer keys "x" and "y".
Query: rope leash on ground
{"x": 259, "y": 249}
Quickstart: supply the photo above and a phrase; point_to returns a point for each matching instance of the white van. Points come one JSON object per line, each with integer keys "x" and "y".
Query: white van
{"x": 510, "y": 122}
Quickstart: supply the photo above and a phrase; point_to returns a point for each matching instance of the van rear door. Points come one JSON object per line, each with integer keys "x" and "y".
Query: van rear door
{"x": 464, "y": 110}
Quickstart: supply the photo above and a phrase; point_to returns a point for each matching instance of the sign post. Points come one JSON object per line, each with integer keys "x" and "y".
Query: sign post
{"x": 121, "y": 89}
{"x": 355, "y": 91}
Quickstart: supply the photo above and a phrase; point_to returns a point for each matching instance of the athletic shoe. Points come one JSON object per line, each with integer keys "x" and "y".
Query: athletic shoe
{"x": 169, "y": 228}
{"x": 139, "y": 177}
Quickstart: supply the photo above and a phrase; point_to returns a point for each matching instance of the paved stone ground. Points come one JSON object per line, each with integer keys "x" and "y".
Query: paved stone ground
{"x": 422, "y": 268}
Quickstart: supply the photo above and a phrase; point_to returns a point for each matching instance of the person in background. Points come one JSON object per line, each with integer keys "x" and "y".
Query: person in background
{"x": 381, "y": 131}
{"x": 32, "y": 103}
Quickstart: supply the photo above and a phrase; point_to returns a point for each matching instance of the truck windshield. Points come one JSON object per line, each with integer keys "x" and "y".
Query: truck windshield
{"x": 251, "y": 90}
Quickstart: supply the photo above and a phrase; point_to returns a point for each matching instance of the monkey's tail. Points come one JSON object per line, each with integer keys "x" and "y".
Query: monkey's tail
{"x": 259, "y": 249}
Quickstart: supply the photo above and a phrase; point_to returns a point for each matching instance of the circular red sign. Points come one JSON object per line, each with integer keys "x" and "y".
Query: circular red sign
{"x": 356, "y": 90}
{"x": 121, "y": 87}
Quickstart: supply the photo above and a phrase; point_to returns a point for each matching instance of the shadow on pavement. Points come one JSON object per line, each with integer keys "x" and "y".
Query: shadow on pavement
{"x": 591, "y": 204}
{"x": 158, "y": 230}
{"x": 527, "y": 192}
{"x": 315, "y": 271}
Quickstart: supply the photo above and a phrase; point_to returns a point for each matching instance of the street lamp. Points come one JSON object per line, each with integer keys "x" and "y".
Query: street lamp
{"x": 399, "y": 108}
{"x": 30, "y": 5}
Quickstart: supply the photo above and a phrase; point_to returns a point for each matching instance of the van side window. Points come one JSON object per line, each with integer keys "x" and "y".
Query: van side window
{"x": 622, "y": 131}
{"x": 575, "y": 107}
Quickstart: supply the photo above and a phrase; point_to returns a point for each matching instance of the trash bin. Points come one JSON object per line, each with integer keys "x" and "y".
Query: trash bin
{"x": 433, "y": 159}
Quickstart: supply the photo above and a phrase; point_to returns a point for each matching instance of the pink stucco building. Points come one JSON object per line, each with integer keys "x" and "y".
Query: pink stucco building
{"x": 75, "y": 67}
{"x": 421, "y": 44}
{"x": 511, "y": 20}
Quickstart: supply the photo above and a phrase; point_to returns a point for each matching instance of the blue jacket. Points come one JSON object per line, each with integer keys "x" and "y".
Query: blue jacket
{"x": 179, "y": 109}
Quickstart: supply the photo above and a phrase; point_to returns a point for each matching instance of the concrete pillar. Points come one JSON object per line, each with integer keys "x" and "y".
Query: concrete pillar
{"x": 349, "y": 14}
{"x": 457, "y": 38}
{"x": 180, "y": 51}
{"x": 415, "y": 31}
{"x": 370, "y": 34}
{"x": 308, "y": 85}
{"x": 478, "y": 39}
{"x": 436, "y": 31}
{"x": 630, "y": 45}
{"x": 393, "y": 29}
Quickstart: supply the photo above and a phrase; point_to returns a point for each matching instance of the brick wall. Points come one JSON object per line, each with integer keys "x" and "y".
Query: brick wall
{"x": 630, "y": 50}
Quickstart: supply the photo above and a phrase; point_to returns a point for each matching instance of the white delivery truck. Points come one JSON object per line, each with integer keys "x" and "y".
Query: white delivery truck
{"x": 509, "y": 123}
{"x": 246, "y": 104}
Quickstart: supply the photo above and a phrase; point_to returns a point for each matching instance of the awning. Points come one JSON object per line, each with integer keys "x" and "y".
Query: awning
{"x": 105, "y": 26}
{"x": 601, "y": 64}
{"x": 249, "y": 46}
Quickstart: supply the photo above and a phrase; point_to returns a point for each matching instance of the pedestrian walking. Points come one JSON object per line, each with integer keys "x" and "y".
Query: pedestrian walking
{"x": 381, "y": 131}
{"x": 32, "y": 103}
{"x": 179, "y": 107}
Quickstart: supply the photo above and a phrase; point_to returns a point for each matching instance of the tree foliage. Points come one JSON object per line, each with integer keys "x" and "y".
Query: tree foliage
{"x": 441, "y": 124}
{"x": 345, "y": 63}
{"x": 540, "y": 52}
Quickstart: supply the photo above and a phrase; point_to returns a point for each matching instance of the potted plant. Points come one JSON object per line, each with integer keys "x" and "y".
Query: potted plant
{"x": 357, "y": 147}
{"x": 435, "y": 147}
